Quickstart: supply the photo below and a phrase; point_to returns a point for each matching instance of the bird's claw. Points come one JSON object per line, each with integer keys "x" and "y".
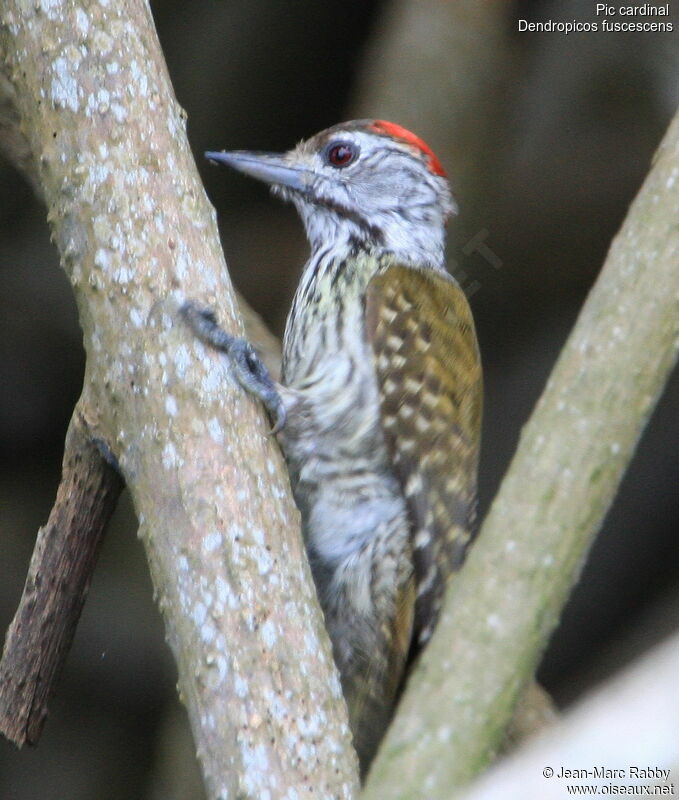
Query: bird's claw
{"x": 254, "y": 377}
{"x": 248, "y": 367}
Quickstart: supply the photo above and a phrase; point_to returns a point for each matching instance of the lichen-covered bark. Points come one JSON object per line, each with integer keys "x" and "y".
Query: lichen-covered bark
{"x": 572, "y": 454}
{"x": 136, "y": 236}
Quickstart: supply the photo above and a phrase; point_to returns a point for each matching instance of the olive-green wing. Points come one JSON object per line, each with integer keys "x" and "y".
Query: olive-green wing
{"x": 429, "y": 377}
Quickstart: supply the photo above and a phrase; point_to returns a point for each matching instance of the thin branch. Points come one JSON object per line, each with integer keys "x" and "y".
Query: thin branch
{"x": 137, "y": 237}
{"x": 59, "y": 577}
{"x": 571, "y": 457}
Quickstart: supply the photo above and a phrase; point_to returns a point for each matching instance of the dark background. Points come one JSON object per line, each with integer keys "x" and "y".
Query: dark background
{"x": 546, "y": 137}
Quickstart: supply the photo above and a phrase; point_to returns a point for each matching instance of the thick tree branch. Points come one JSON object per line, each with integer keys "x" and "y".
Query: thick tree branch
{"x": 136, "y": 237}
{"x": 14, "y": 146}
{"x": 58, "y": 580}
{"x": 572, "y": 454}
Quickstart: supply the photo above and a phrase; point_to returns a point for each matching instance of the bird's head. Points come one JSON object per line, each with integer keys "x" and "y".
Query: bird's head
{"x": 368, "y": 180}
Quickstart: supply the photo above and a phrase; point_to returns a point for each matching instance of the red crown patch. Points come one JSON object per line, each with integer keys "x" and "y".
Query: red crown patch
{"x": 399, "y": 132}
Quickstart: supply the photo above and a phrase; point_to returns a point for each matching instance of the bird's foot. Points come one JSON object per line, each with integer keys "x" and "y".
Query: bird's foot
{"x": 247, "y": 366}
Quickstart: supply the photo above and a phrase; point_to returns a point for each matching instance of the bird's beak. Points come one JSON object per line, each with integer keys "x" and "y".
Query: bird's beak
{"x": 268, "y": 167}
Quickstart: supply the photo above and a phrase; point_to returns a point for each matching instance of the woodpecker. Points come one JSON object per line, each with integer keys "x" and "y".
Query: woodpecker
{"x": 378, "y": 411}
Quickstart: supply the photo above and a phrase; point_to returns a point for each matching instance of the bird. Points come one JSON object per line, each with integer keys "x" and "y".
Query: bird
{"x": 378, "y": 408}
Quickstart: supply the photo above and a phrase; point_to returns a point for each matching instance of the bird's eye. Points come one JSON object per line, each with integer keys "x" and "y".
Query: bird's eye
{"x": 340, "y": 154}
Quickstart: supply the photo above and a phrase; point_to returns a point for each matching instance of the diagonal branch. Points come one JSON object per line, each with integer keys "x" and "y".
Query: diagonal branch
{"x": 137, "y": 237}
{"x": 59, "y": 576}
{"x": 562, "y": 480}
{"x": 65, "y": 552}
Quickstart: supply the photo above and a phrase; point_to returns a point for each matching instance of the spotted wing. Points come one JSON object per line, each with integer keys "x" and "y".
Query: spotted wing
{"x": 429, "y": 378}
